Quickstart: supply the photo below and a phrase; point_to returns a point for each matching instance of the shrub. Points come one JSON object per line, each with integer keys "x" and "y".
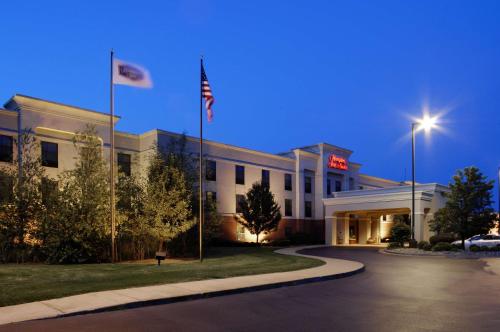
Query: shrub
{"x": 474, "y": 248}
{"x": 441, "y": 246}
{"x": 427, "y": 247}
{"x": 301, "y": 238}
{"x": 422, "y": 244}
{"x": 484, "y": 248}
{"x": 412, "y": 243}
{"x": 445, "y": 237}
{"x": 394, "y": 245}
{"x": 400, "y": 233}
{"x": 280, "y": 243}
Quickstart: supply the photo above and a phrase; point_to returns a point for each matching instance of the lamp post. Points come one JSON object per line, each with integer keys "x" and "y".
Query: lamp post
{"x": 426, "y": 123}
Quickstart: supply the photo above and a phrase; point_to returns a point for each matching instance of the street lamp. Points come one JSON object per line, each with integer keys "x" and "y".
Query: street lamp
{"x": 426, "y": 123}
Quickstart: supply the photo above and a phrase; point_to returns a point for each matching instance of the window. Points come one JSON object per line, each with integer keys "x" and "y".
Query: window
{"x": 288, "y": 182}
{"x": 351, "y": 184}
{"x": 50, "y": 154}
{"x": 239, "y": 200}
{"x": 240, "y": 232}
{"x": 6, "y": 148}
{"x": 308, "y": 209}
{"x": 211, "y": 196}
{"x": 338, "y": 185}
{"x": 328, "y": 187}
{"x": 211, "y": 170}
{"x": 240, "y": 174}
{"x": 265, "y": 177}
{"x": 288, "y": 207}
{"x": 124, "y": 163}
{"x": 307, "y": 184}
{"x": 6, "y": 188}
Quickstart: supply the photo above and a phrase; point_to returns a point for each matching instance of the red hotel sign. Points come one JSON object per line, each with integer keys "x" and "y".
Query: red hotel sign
{"x": 337, "y": 162}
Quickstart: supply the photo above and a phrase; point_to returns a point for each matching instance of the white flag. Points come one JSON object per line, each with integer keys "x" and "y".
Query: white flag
{"x": 126, "y": 73}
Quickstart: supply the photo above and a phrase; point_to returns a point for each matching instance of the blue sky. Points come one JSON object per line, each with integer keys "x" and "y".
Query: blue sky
{"x": 284, "y": 73}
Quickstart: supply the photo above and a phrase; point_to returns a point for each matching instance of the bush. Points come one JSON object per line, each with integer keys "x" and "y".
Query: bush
{"x": 301, "y": 238}
{"x": 400, "y": 233}
{"x": 445, "y": 237}
{"x": 442, "y": 246}
{"x": 427, "y": 247}
{"x": 412, "y": 243}
{"x": 422, "y": 244}
{"x": 394, "y": 245}
{"x": 474, "y": 248}
{"x": 484, "y": 248}
{"x": 280, "y": 243}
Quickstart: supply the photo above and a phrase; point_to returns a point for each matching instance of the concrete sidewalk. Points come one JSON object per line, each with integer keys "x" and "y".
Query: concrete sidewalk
{"x": 148, "y": 295}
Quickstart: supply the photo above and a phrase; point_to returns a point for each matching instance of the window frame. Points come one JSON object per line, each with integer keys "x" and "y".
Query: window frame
{"x": 46, "y": 154}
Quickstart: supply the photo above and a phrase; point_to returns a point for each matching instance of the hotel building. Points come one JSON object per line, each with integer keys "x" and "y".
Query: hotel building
{"x": 321, "y": 191}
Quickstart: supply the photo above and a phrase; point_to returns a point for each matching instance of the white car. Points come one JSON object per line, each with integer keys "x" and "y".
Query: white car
{"x": 489, "y": 240}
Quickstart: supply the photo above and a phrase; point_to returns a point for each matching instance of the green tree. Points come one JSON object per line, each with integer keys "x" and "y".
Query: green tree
{"x": 132, "y": 223}
{"x": 169, "y": 196}
{"x": 259, "y": 210}
{"x": 21, "y": 208}
{"x": 468, "y": 209}
{"x": 80, "y": 231}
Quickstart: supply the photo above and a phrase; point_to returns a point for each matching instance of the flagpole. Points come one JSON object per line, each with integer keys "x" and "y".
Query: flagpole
{"x": 111, "y": 160}
{"x": 200, "y": 230}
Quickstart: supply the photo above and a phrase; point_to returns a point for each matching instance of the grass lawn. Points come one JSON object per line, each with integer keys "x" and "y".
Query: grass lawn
{"x": 20, "y": 283}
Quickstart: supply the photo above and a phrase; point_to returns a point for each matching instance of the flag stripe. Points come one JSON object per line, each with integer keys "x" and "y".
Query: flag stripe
{"x": 206, "y": 93}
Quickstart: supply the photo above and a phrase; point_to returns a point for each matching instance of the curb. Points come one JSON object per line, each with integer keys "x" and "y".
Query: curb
{"x": 208, "y": 295}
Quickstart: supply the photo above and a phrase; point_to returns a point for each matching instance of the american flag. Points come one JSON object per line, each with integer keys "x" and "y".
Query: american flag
{"x": 206, "y": 93}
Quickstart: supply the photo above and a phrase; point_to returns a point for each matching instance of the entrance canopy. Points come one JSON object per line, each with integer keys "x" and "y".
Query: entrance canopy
{"x": 372, "y": 203}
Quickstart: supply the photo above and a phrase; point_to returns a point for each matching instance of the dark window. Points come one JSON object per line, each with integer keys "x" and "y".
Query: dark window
{"x": 308, "y": 209}
{"x": 288, "y": 207}
{"x": 307, "y": 184}
{"x": 239, "y": 200}
{"x": 328, "y": 187}
{"x": 49, "y": 154}
{"x": 124, "y": 163}
{"x": 351, "y": 184}
{"x": 265, "y": 177}
{"x": 211, "y": 196}
{"x": 211, "y": 170}
{"x": 240, "y": 174}
{"x": 6, "y": 148}
{"x": 288, "y": 182}
{"x": 6, "y": 188}
{"x": 49, "y": 188}
{"x": 338, "y": 185}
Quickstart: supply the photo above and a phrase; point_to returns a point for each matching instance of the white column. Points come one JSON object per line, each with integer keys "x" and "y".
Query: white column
{"x": 346, "y": 228}
{"x": 331, "y": 230}
{"x": 419, "y": 225}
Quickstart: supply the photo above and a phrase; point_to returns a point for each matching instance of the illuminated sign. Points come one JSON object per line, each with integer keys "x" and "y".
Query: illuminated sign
{"x": 337, "y": 162}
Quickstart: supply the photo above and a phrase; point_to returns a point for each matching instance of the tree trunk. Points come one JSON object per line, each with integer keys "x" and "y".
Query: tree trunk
{"x": 257, "y": 238}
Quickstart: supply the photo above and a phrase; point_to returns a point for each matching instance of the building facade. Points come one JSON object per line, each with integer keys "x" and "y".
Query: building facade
{"x": 321, "y": 191}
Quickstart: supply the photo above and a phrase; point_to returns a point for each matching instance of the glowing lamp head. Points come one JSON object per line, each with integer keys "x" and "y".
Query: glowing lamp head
{"x": 427, "y": 123}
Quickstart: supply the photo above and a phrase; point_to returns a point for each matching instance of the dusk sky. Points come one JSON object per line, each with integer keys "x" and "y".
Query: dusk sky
{"x": 284, "y": 73}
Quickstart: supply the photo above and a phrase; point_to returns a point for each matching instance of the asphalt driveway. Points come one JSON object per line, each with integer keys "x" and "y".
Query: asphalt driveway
{"x": 393, "y": 294}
